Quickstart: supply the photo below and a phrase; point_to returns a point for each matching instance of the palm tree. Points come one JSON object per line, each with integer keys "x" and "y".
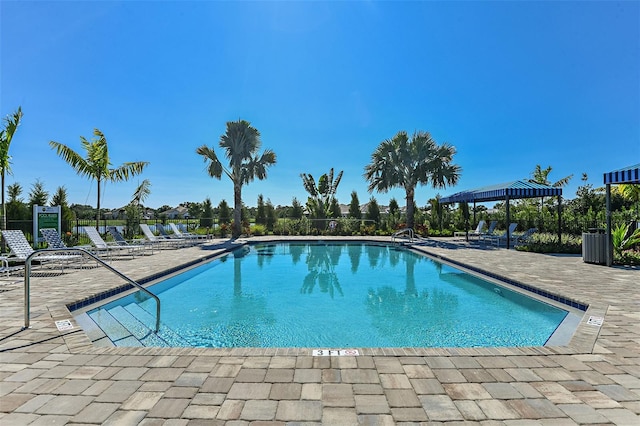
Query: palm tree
{"x": 96, "y": 163}
{"x": 541, "y": 176}
{"x": 6, "y": 135}
{"x": 632, "y": 193}
{"x": 241, "y": 143}
{"x": 401, "y": 162}
{"x": 134, "y": 209}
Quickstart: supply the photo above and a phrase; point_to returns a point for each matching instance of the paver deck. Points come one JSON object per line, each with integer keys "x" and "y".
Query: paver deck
{"x": 58, "y": 377}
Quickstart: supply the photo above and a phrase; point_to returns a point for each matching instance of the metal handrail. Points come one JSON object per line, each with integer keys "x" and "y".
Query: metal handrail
{"x": 403, "y": 231}
{"x": 27, "y": 280}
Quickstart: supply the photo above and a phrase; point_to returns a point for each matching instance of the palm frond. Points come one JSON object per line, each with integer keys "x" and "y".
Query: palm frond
{"x": 214, "y": 166}
{"x": 75, "y": 160}
{"x": 126, "y": 170}
{"x": 142, "y": 192}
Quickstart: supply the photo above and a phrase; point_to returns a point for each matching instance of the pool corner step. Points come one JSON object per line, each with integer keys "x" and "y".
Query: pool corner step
{"x": 138, "y": 329}
{"x": 168, "y": 336}
{"x": 118, "y": 334}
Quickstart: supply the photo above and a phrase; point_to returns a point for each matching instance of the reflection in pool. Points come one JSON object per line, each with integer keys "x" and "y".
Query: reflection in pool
{"x": 343, "y": 295}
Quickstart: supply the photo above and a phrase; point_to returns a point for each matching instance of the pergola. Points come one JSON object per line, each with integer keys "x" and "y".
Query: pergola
{"x": 507, "y": 191}
{"x": 628, "y": 175}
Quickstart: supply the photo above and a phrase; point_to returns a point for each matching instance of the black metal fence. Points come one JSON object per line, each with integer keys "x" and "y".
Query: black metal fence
{"x": 291, "y": 226}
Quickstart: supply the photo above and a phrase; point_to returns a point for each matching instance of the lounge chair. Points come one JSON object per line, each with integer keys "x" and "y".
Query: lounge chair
{"x": 122, "y": 241}
{"x": 161, "y": 241}
{"x": 499, "y": 239}
{"x": 490, "y": 232}
{"x": 475, "y": 233}
{"x": 185, "y": 235}
{"x": 54, "y": 240}
{"x": 525, "y": 238}
{"x": 21, "y": 250}
{"x": 110, "y": 249}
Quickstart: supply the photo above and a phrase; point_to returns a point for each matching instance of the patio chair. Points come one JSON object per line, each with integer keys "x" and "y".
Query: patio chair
{"x": 502, "y": 238}
{"x": 21, "y": 250}
{"x": 525, "y": 238}
{"x": 186, "y": 235}
{"x": 490, "y": 232}
{"x": 161, "y": 241}
{"x": 122, "y": 241}
{"x": 110, "y": 249}
{"x": 475, "y": 233}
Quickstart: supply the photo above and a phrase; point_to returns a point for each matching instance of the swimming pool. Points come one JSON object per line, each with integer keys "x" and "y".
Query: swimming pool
{"x": 337, "y": 295}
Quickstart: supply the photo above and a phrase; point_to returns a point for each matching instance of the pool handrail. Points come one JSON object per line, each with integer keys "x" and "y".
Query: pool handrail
{"x": 401, "y": 232}
{"x": 27, "y": 281}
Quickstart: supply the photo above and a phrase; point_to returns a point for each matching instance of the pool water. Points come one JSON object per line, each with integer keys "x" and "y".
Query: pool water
{"x": 344, "y": 295}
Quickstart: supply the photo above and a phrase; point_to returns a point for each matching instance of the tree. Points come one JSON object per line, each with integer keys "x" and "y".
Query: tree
{"x": 542, "y": 176}
{"x": 322, "y": 194}
{"x": 393, "y": 207}
{"x": 60, "y": 199}
{"x": 241, "y": 143}
{"x": 134, "y": 209}
{"x": 224, "y": 215}
{"x": 260, "y": 212}
{"x": 270, "y": 215}
{"x": 403, "y": 162}
{"x": 206, "y": 220}
{"x": 38, "y": 195}
{"x": 96, "y": 164}
{"x": 296, "y": 209}
{"x": 335, "y": 209}
{"x": 195, "y": 210}
{"x": 354, "y": 206}
{"x": 373, "y": 210}
{"x": 630, "y": 192}
{"x": 16, "y": 209}
{"x": 6, "y": 135}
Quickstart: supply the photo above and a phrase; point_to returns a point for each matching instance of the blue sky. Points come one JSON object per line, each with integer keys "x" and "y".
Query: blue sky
{"x": 509, "y": 84}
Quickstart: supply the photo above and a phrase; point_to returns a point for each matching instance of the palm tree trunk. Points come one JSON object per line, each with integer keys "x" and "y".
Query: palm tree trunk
{"x": 237, "y": 209}
{"x": 98, "y": 207}
{"x": 410, "y": 205}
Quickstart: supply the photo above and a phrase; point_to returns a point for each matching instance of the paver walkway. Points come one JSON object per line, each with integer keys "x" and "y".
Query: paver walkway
{"x": 57, "y": 377}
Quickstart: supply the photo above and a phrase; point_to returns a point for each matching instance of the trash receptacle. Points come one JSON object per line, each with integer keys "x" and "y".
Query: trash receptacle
{"x": 594, "y": 246}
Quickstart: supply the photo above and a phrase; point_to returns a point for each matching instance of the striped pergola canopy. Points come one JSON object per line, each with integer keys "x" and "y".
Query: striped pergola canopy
{"x": 509, "y": 190}
{"x": 629, "y": 175}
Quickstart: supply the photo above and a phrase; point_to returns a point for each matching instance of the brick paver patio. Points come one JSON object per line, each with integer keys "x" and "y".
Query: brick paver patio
{"x": 58, "y": 377}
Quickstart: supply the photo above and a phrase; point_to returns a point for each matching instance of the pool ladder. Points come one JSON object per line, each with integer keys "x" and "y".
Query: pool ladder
{"x": 404, "y": 233}
{"x": 27, "y": 280}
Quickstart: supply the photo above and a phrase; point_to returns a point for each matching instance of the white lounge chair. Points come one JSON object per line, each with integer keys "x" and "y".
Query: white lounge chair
{"x": 525, "y": 238}
{"x": 160, "y": 241}
{"x": 110, "y": 249}
{"x": 489, "y": 232}
{"x": 186, "y": 235}
{"x": 122, "y": 241}
{"x": 21, "y": 250}
{"x": 475, "y": 233}
{"x": 164, "y": 234}
{"x": 499, "y": 239}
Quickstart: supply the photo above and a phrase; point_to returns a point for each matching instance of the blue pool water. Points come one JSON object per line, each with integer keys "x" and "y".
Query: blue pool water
{"x": 343, "y": 295}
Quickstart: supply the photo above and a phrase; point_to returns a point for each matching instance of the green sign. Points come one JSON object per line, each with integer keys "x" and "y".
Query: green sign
{"x": 45, "y": 217}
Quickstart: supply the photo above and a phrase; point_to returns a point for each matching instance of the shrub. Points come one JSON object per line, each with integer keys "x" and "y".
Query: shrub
{"x": 628, "y": 257}
{"x": 545, "y": 242}
{"x": 258, "y": 230}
